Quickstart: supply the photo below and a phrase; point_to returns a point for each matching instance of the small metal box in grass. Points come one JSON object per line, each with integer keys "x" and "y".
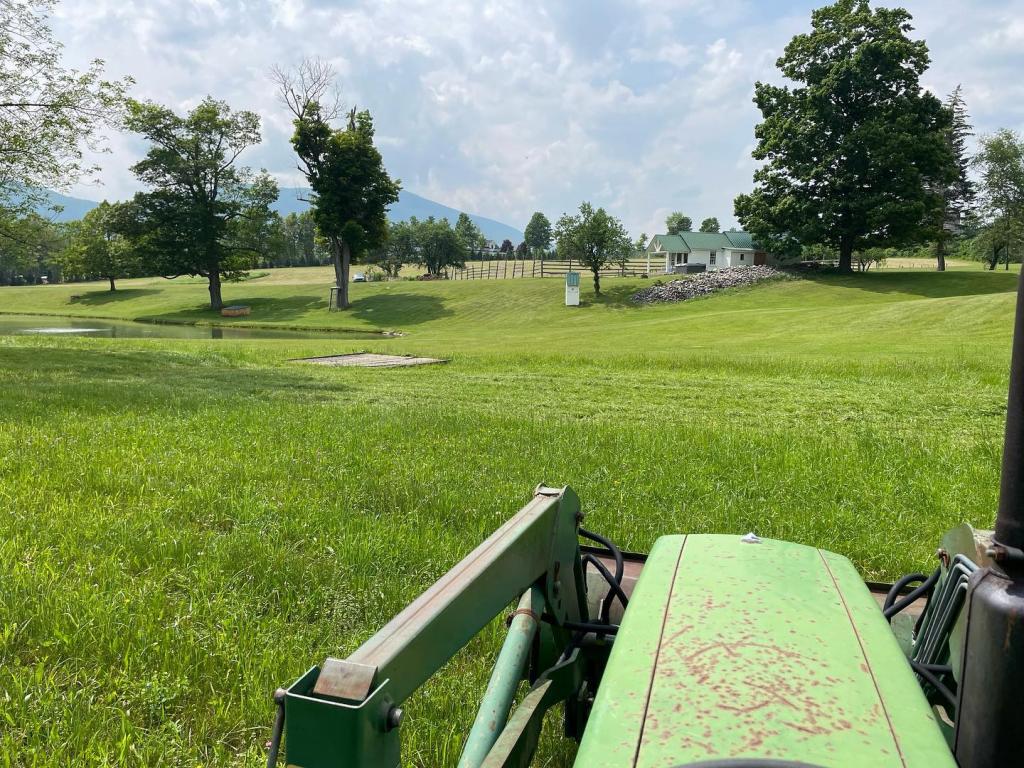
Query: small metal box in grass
{"x": 572, "y": 289}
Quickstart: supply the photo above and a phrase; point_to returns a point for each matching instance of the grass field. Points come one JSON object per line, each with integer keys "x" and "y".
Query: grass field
{"x": 186, "y": 525}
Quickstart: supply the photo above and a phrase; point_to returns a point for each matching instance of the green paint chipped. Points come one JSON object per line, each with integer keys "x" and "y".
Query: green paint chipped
{"x": 771, "y": 650}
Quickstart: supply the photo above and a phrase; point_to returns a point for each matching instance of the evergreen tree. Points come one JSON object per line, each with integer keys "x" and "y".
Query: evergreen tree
{"x": 958, "y": 194}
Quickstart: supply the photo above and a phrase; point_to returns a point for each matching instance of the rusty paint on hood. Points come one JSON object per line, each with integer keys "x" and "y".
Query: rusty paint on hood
{"x": 757, "y": 650}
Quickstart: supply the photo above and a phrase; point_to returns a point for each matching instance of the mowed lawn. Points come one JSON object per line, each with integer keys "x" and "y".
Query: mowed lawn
{"x": 186, "y": 525}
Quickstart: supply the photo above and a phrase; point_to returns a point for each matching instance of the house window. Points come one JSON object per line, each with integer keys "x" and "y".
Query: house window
{"x": 713, "y": 257}
{"x": 679, "y": 258}
{"x": 741, "y": 257}
{"x": 686, "y": 258}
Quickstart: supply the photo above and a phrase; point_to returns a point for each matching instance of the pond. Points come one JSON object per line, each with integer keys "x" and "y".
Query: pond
{"x": 33, "y": 325}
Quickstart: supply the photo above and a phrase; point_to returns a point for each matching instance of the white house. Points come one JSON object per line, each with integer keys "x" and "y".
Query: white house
{"x": 715, "y": 250}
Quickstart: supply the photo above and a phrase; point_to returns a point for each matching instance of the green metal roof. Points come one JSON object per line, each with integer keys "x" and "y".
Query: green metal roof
{"x": 672, "y": 243}
{"x": 704, "y": 241}
{"x": 740, "y": 239}
{"x": 757, "y": 650}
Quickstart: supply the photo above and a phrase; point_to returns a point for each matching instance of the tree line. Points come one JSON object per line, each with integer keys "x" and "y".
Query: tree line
{"x": 856, "y": 159}
{"x": 591, "y": 238}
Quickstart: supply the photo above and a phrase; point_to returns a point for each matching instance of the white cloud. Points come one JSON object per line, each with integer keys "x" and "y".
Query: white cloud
{"x": 504, "y": 107}
{"x": 670, "y": 52}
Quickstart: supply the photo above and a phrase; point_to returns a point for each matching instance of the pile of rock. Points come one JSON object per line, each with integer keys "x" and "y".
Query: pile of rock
{"x": 705, "y": 283}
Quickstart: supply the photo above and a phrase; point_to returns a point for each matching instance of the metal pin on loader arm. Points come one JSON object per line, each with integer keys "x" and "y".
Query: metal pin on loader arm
{"x": 347, "y": 713}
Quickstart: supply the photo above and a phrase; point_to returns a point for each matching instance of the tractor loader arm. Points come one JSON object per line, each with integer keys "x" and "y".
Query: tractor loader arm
{"x": 347, "y": 712}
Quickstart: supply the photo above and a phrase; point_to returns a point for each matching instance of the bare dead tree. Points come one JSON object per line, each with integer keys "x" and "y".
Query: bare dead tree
{"x": 311, "y": 81}
{"x": 311, "y": 84}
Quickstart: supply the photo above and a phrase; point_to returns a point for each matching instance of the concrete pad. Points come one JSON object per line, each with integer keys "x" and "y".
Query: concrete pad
{"x": 370, "y": 360}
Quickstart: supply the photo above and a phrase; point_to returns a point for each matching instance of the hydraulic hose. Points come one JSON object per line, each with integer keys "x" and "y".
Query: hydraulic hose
{"x": 930, "y": 674}
{"x": 614, "y": 585}
{"x": 892, "y": 606}
{"x": 620, "y": 564}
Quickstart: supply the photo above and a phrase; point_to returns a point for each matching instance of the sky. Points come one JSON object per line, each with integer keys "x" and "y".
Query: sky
{"x": 506, "y": 107}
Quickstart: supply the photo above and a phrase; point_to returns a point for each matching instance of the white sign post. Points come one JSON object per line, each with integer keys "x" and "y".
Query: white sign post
{"x": 572, "y": 289}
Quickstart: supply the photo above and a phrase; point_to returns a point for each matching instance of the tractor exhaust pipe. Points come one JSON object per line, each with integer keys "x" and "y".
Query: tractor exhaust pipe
{"x": 992, "y": 658}
{"x": 1009, "y": 531}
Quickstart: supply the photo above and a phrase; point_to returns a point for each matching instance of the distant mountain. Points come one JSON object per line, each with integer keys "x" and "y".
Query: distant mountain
{"x": 74, "y": 208}
{"x": 409, "y": 204}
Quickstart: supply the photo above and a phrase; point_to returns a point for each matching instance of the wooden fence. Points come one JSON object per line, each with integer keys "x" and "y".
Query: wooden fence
{"x": 513, "y": 268}
{"x": 629, "y": 268}
{"x": 492, "y": 270}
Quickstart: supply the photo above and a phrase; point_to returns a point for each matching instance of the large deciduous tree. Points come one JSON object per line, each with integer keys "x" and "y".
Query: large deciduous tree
{"x": 593, "y": 238}
{"x": 537, "y": 234}
{"x": 351, "y": 190}
{"x": 48, "y": 114}
{"x": 1000, "y": 161}
{"x": 676, "y": 222}
{"x": 437, "y": 245}
{"x": 710, "y": 224}
{"x": 100, "y": 245}
{"x": 854, "y": 150}
{"x": 205, "y": 215}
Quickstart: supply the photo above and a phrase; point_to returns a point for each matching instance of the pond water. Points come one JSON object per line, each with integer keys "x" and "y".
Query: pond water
{"x": 26, "y": 325}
